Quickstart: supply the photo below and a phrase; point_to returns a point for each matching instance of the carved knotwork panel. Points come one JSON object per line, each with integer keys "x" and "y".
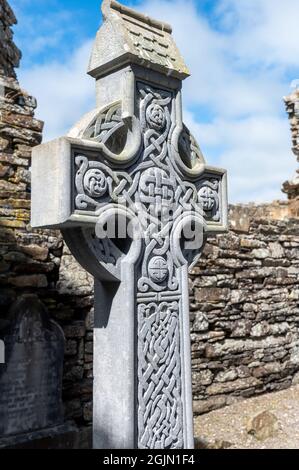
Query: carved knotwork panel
{"x": 209, "y": 192}
{"x": 105, "y": 125}
{"x": 163, "y": 188}
{"x": 97, "y": 182}
{"x": 160, "y": 412}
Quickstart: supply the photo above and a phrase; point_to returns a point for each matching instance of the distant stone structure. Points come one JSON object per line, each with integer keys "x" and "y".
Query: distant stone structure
{"x": 291, "y": 188}
{"x": 244, "y": 290}
{"x": 10, "y": 55}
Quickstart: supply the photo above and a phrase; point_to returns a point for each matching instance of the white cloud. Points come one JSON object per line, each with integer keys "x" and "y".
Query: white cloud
{"x": 238, "y": 71}
{"x": 63, "y": 90}
{"x": 239, "y": 66}
{"x": 272, "y": 24}
{"x": 255, "y": 151}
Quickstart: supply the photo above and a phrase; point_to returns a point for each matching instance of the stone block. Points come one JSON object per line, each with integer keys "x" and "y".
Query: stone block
{"x": 205, "y": 406}
{"x": 263, "y": 426}
{"x": 75, "y": 330}
{"x": 213, "y": 294}
{"x": 32, "y": 280}
{"x": 231, "y": 387}
{"x": 36, "y": 252}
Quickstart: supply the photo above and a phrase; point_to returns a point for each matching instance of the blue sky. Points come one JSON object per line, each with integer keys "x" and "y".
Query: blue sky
{"x": 243, "y": 55}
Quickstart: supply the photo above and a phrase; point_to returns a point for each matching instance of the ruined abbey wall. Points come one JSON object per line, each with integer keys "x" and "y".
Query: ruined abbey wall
{"x": 291, "y": 187}
{"x": 245, "y": 308}
{"x": 32, "y": 261}
{"x": 244, "y": 291}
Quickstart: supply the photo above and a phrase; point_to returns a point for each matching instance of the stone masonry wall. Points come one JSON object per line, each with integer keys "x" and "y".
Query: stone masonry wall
{"x": 30, "y": 260}
{"x": 10, "y": 55}
{"x": 244, "y": 296}
{"x": 245, "y": 308}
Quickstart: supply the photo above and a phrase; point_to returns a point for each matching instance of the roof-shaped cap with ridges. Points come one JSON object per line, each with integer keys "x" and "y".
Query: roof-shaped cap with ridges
{"x": 10, "y": 55}
{"x": 128, "y": 36}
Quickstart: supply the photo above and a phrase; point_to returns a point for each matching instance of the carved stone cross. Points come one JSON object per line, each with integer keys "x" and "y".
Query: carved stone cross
{"x": 131, "y": 192}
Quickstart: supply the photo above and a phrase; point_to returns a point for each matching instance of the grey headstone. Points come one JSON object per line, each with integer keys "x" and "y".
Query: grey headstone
{"x": 31, "y": 378}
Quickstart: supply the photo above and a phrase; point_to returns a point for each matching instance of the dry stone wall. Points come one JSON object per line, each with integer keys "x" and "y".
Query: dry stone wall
{"x": 245, "y": 309}
{"x": 244, "y": 295}
{"x": 244, "y": 314}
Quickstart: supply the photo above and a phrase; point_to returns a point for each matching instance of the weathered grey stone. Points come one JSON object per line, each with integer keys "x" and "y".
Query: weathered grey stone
{"x": 31, "y": 280}
{"x": 260, "y": 330}
{"x": 291, "y": 187}
{"x": 204, "y": 377}
{"x": 73, "y": 409}
{"x": 132, "y": 157}
{"x": 268, "y": 369}
{"x": 260, "y": 253}
{"x": 227, "y": 387}
{"x": 251, "y": 243}
{"x": 204, "y": 406}
{"x": 37, "y": 252}
{"x": 295, "y": 380}
{"x": 87, "y": 411}
{"x": 138, "y": 39}
{"x": 227, "y": 376}
{"x": 75, "y": 330}
{"x": 266, "y": 224}
{"x": 241, "y": 329}
{"x": 237, "y": 296}
{"x": 213, "y": 294}
{"x": 231, "y": 346}
{"x": 217, "y": 444}
{"x": 75, "y": 372}
{"x": 263, "y": 425}
{"x": 200, "y": 323}
{"x": 276, "y": 250}
{"x": 31, "y": 378}
{"x": 10, "y": 54}
{"x": 294, "y": 355}
{"x": 71, "y": 348}
{"x": 72, "y": 278}
{"x": 250, "y": 307}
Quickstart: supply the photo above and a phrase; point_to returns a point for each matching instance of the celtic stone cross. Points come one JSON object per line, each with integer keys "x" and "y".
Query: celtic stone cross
{"x": 130, "y": 190}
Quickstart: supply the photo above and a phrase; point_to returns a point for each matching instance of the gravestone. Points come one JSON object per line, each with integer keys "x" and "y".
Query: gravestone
{"x": 31, "y": 377}
{"x": 135, "y": 200}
